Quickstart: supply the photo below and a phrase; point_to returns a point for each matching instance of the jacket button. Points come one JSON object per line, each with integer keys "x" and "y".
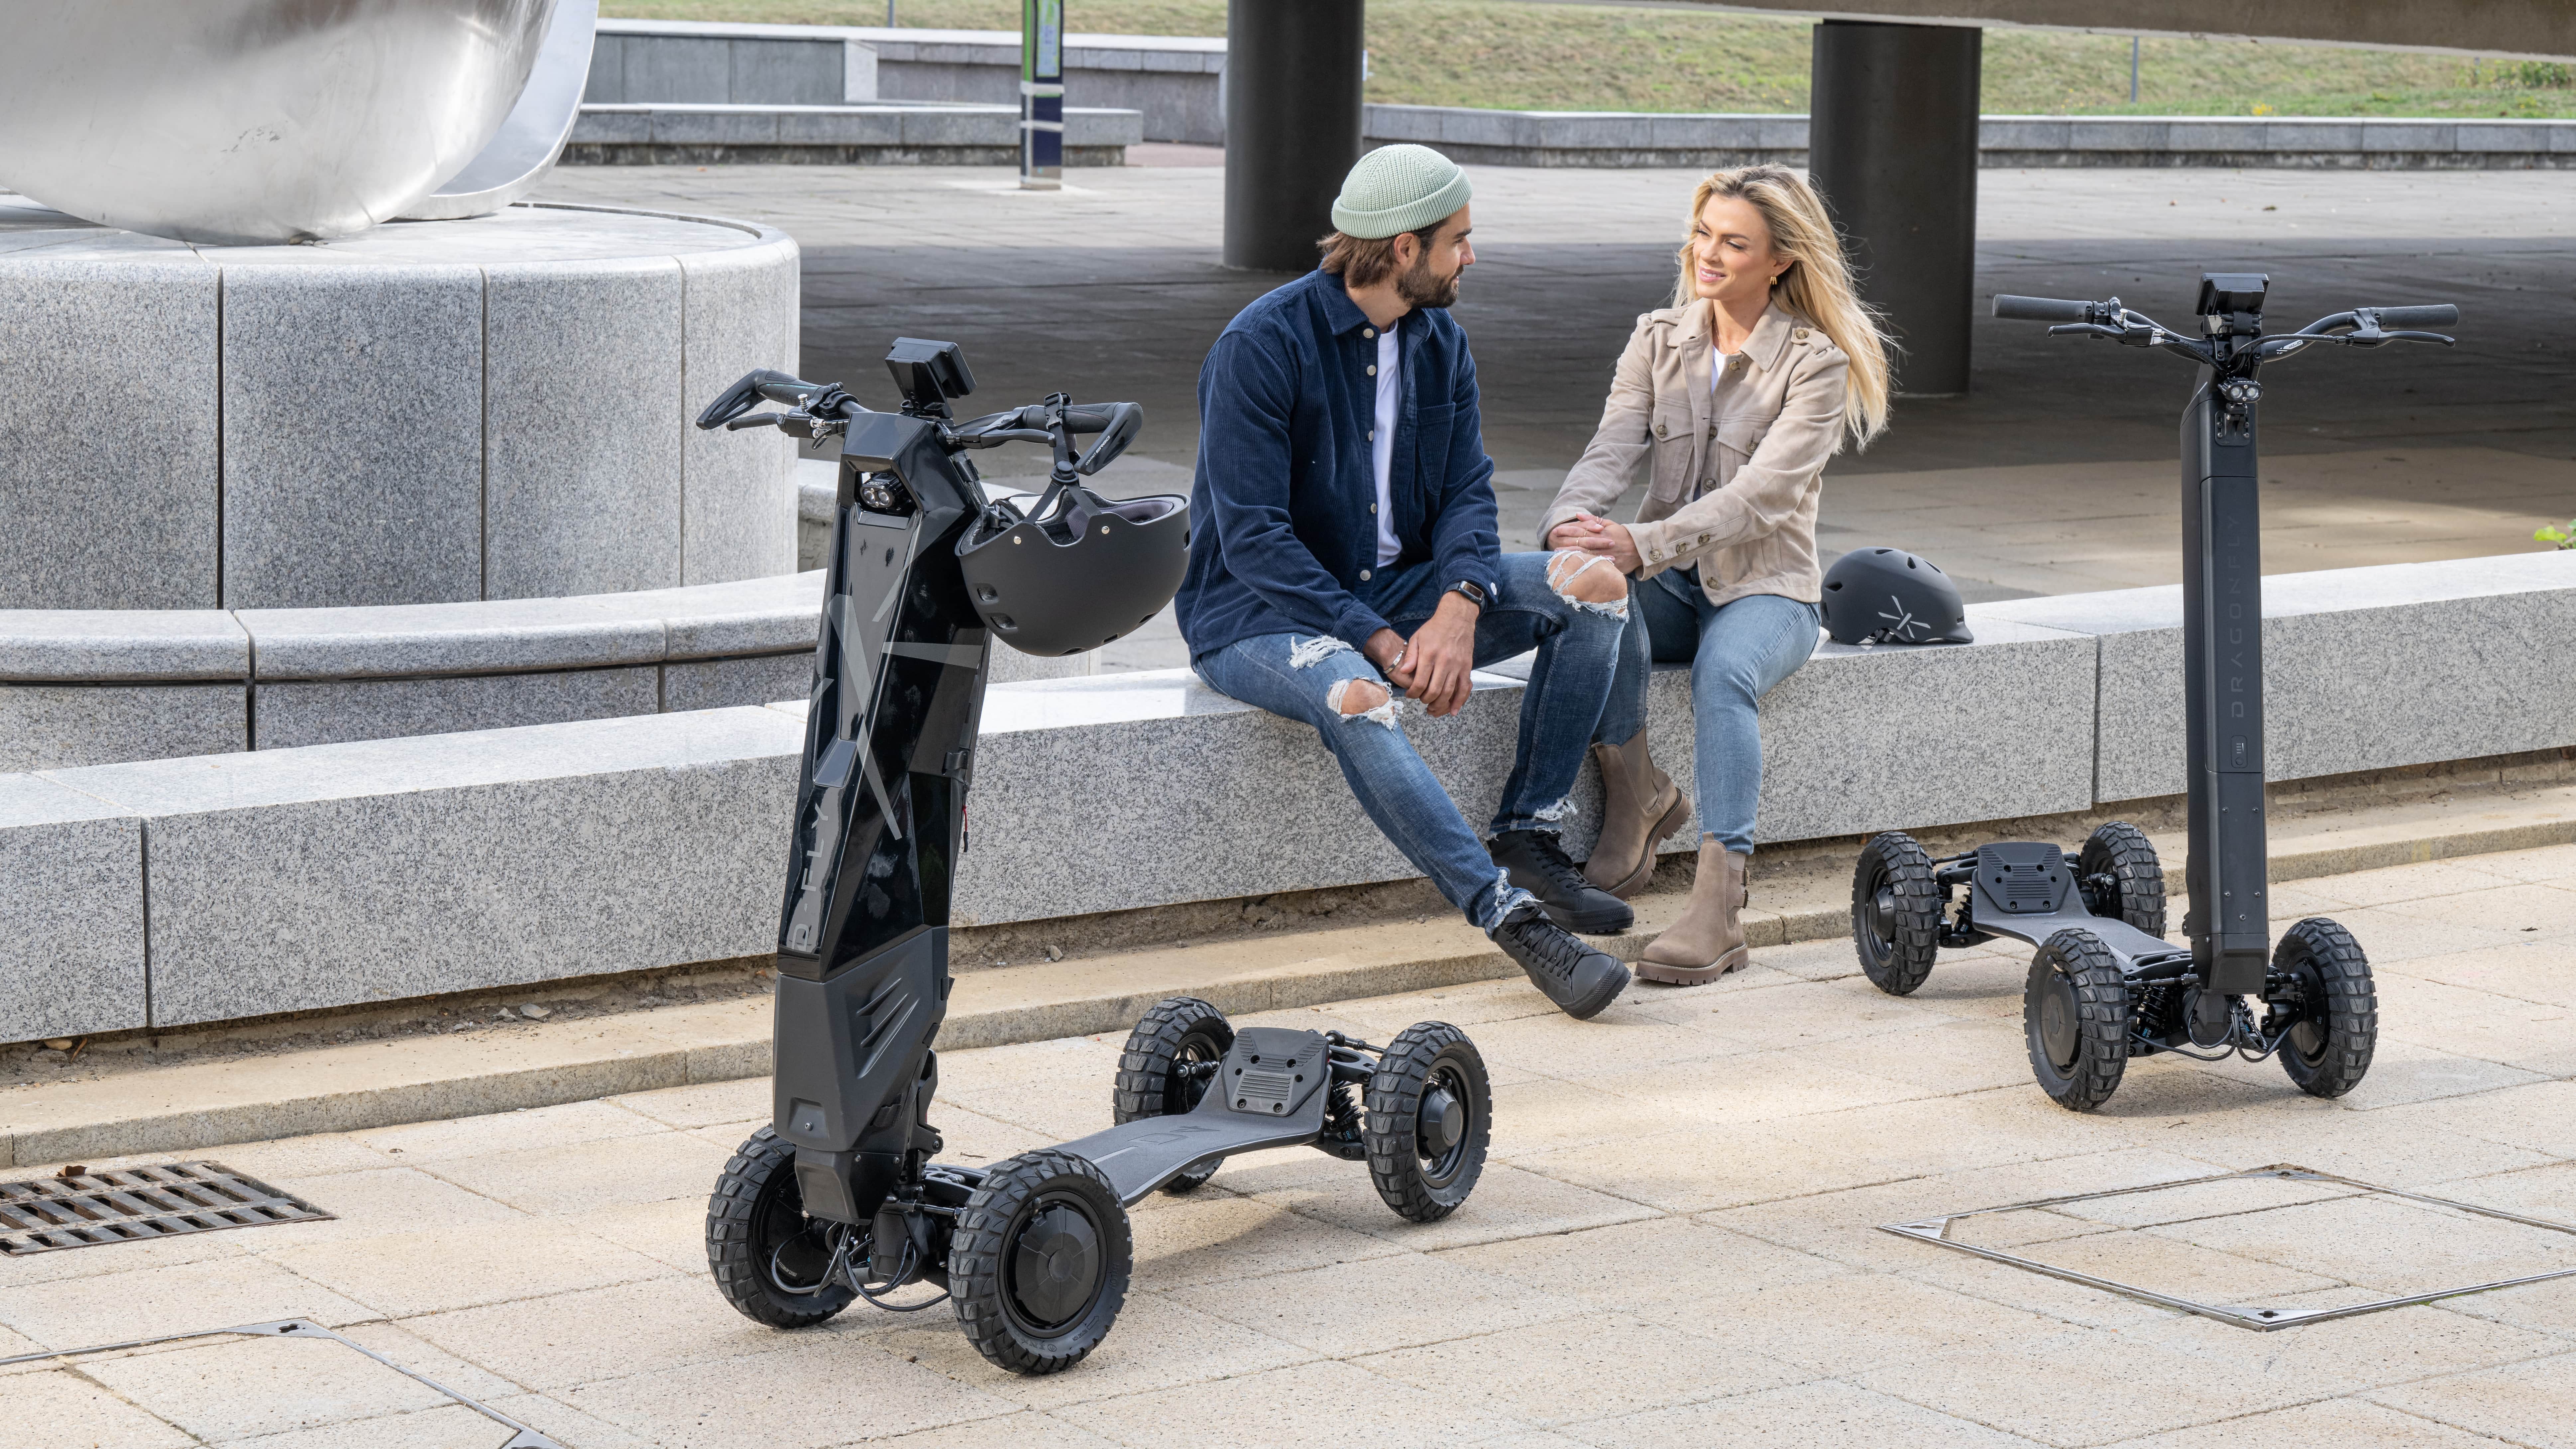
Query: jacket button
{"x": 1659, "y": 430}
{"x": 1372, "y": 508}
{"x": 1800, "y": 334}
{"x": 1364, "y": 573}
{"x": 1372, "y": 332}
{"x": 1372, "y": 369}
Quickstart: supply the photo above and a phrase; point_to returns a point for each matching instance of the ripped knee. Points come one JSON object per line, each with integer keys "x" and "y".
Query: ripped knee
{"x": 1589, "y": 581}
{"x": 1361, "y": 699}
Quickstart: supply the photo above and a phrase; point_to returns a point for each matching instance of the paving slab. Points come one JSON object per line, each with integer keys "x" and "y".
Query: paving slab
{"x": 1819, "y": 1414}
{"x": 1677, "y": 1241}
{"x": 1310, "y": 1403}
{"x": 1583, "y": 1368}
{"x": 1174, "y": 1346}
{"x": 2340, "y": 1421}
{"x": 2530, "y": 1403}
{"x": 471, "y": 1264}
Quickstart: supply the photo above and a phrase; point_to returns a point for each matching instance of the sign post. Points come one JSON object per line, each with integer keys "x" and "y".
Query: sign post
{"x": 1041, "y": 95}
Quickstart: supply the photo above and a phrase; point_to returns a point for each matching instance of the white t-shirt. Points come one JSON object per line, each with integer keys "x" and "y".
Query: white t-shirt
{"x": 1390, "y": 392}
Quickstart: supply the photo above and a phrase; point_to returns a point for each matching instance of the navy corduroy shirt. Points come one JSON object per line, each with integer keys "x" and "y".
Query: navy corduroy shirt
{"x": 1284, "y": 538}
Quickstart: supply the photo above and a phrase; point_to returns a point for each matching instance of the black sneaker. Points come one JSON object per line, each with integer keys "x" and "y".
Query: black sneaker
{"x": 1578, "y": 978}
{"x": 1537, "y": 864}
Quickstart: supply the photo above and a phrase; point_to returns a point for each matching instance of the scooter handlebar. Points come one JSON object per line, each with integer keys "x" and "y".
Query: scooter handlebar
{"x": 2439, "y": 314}
{"x": 2041, "y": 309}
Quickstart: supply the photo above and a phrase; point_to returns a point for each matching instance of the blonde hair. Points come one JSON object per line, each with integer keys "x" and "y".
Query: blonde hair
{"x": 1817, "y": 286}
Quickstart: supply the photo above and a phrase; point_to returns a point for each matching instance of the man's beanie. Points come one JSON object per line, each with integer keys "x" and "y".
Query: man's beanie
{"x": 1399, "y": 188}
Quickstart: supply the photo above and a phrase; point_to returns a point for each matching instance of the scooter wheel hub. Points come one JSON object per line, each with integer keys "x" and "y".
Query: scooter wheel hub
{"x": 2057, "y": 1030}
{"x": 1442, "y": 1124}
{"x": 1056, "y": 1264}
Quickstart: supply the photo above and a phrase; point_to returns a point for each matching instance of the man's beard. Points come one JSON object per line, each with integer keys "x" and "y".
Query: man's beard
{"x": 1419, "y": 288}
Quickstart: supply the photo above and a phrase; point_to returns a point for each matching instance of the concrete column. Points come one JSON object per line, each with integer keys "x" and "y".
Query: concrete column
{"x": 1292, "y": 126}
{"x": 1893, "y": 147}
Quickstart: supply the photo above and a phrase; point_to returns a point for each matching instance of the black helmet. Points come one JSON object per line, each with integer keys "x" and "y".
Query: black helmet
{"x": 1888, "y": 596}
{"x": 1077, "y": 570}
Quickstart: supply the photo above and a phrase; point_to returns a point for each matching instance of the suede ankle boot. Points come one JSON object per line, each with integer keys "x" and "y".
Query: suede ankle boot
{"x": 1639, "y": 807}
{"x": 1708, "y": 940}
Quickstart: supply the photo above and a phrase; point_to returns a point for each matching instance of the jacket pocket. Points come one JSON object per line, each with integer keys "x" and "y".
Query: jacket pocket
{"x": 1432, "y": 424}
{"x": 1675, "y": 450}
{"x": 1740, "y": 436}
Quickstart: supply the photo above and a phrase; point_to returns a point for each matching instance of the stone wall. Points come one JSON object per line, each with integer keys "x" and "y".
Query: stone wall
{"x": 1170, "y": 81}
{"x": 875, "y": 134}
{"x": 198, "y": 889}
{"x": 1624, "y": 139}
{"x": 1175, "y": 84}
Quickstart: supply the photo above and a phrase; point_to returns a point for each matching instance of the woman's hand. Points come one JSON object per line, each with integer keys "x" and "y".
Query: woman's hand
{"x": 1589, "y": 533}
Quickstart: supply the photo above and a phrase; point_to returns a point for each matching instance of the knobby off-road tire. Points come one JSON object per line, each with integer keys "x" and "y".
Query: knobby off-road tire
{"x": 1896, "y": 913}
{"x": 1425, "y": 1163}
{"x": 1178, "y": 1032}
{"x": 2137, "y": 894}
{"x": 2075, "y": 1017}
{"x": 1039, "y": 1262}
{"x": 2329, "y": 1051}
{"x": 756, "y": 1216}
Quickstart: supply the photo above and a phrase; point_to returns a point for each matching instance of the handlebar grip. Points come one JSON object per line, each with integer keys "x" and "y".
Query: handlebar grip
{"x": 2041, "y": 309}
{"x": 2439, "y": 314}
{"x": 1095, "y": 417}
{"x": 781, "y": 387}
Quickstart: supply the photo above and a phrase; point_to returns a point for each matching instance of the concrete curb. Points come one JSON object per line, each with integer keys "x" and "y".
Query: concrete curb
{"x": 380, "y": 1084}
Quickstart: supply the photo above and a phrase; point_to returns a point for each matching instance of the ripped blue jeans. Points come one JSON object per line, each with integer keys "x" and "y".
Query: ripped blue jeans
{"x": 1737, "y": 653}
{"x": 1305, "y": 678}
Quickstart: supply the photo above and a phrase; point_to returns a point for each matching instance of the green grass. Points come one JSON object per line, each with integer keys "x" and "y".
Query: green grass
{"x": 1607, "y": 58}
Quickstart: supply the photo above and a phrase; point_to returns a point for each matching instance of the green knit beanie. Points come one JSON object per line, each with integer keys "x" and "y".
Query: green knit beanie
{"x": 1399, "y": 188}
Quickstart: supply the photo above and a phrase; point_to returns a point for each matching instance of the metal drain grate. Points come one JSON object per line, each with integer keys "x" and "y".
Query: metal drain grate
{"x": 130, "y": 1204}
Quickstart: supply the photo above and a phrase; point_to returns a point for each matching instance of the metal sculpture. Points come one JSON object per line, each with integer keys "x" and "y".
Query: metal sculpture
{"x": 243, "y": 122}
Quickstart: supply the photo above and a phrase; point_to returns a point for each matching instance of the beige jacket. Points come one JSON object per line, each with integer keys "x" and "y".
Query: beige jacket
{"x": 1735, "y": 492}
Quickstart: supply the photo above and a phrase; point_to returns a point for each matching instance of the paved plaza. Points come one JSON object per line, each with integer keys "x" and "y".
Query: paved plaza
{"x": 1676, "y": 1243}
{"x": 2056, "y": 474}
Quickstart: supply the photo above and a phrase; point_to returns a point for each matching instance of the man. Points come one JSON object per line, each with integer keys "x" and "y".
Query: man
{"x": 1345, "y": 554}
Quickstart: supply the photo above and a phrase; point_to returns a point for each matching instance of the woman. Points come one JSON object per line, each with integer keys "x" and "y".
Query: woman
{"x": 1732, "y": 399}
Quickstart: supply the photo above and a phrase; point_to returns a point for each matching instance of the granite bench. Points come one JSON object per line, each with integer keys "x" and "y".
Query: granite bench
{"x": 346, "y": 873}
{"x": 100, "y": 686}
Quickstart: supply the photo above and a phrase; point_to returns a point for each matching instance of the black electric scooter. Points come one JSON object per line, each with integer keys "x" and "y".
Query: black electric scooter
{"x": 839, "y": 1199}
{"x": 2105, "y": 985}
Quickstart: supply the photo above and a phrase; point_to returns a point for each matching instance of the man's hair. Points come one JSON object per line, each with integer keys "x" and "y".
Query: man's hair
{"x": 1365, "y": 261}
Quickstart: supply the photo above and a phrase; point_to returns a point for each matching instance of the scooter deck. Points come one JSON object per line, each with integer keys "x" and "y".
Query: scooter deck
{"x": 2024, "y": 889}
{"x": 1268, "y": 1092}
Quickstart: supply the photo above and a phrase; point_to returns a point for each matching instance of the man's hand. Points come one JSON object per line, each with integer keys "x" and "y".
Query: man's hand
{"x": 1382, "y": 650}
{"x": 1436, "y": 662}
{"x": 1589, "y": 533}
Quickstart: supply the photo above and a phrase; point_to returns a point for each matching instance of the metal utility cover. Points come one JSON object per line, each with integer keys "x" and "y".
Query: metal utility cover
{"x": 133, "y": 1204}
{"x": 2297, "y": 1187}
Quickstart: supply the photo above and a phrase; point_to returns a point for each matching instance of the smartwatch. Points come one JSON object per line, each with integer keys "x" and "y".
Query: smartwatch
{"x": 1470, "y": 590}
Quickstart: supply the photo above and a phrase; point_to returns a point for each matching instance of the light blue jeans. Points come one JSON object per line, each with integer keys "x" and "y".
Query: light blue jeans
{"x": 1301, "y": 677}
{"x": 1736, "y": 654}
